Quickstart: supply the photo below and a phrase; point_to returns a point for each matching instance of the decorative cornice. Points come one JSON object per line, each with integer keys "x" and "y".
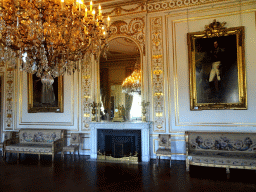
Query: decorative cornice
{"x": 177, "y": 4}
{"x": 135, "y": 7}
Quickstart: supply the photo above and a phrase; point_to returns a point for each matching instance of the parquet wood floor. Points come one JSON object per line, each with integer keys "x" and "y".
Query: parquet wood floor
{"x": 86, "y": 175}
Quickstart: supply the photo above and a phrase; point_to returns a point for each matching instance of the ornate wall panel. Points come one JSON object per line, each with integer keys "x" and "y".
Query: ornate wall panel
{"x": 134, "y": 29}
{"x": 157, "y": 62}
{"x": 86, "y": 94}
{"x": 9, "y": 100}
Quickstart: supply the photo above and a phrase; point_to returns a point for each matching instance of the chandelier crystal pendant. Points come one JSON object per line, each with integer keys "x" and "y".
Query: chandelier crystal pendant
{"x": 49, "y": 36}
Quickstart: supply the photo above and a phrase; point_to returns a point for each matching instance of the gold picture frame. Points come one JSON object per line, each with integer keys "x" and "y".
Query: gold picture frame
{"x": 217, "y": 68}
{"x": 43, "y": 99}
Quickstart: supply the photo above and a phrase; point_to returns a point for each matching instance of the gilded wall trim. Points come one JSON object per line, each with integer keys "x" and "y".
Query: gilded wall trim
{"x": 86, "y": 94}
{"x": 157, "y": 62}
{"x": 121, "y": 10}
{"x": 177, "y": 4}
{"x": 135, "y": 7}
{"x": 133, "y": 29}
{"x": 9, "y": 100}
{"x": 174, "y": 28}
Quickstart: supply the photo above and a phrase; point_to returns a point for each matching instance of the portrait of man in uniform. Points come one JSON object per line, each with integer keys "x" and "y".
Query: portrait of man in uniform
{"x": 216, "y": 70}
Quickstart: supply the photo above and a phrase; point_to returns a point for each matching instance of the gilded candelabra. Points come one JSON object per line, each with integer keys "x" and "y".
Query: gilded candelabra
{"x": 144, "y": 110}
{"x": 94, "y": 106}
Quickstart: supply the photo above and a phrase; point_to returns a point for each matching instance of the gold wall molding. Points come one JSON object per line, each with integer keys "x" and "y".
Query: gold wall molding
{"x": 134, "y": 29}
{"x": 86, "y": 94}
{"x": 134, "y": 7}
{"x": 177, "y": 4}
{"x": 9, "y": 99}
{"x": 207, "y": 15}
{"x": 157, "y": 67}
{"x": 124, "y": 9}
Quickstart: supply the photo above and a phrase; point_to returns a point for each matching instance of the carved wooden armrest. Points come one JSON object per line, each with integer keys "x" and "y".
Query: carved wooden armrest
{"x": 58, "y": 145}
{"x": 11, "y": 141}
{"x": 187, "y": 144}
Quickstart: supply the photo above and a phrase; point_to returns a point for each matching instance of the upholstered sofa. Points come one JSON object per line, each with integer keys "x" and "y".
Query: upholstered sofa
{"x": 36, "y": 141}
{"x": 221, "y": 149}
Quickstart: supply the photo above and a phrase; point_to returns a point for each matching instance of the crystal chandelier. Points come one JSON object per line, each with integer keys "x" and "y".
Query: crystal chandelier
{"x": 132, "y": 84}
{"x": 50, "y": 37}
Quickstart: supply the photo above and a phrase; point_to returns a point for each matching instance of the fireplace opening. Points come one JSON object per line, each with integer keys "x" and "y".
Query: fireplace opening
{"x": 119, "y": 143}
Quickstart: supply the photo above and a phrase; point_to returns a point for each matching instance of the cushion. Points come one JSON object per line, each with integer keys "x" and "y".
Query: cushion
{"x": 70, "y": 148}
{"x": 163, "y": 152}
{"x": 164, "y": 140}
{"x": 75, "y": 138}
{"x": 221, "y": 158}
{"x": 39, "y": 136}
{"x": 225, "y": 142}
{"x": 21, "y": 147}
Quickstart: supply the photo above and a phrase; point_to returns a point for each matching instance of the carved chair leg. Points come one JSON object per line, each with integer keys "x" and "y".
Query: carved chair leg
{"x": 62, "y": 155}
{"x": 52, "y": 157}
{"x": 187, "y": 164}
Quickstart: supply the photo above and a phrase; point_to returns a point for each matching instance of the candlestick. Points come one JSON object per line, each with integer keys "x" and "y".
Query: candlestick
{"x": 17, "y": 22}
{"x": 91, "y": 6}
{"x": 93, "y": 13}
{"x": 85, "y": 13}
{"x": 62, "y": 4}
{"x": 108, "y": 20}
{"x": 99, "y": 10}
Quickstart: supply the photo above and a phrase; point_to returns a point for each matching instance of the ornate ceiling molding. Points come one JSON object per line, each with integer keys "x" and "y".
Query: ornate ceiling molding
{"x": 132, "y": 7}
{"x": 122, "y": 10}
{"x": 177, "y": 4}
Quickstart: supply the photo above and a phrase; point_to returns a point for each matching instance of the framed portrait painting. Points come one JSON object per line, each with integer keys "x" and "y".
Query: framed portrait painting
{"x": 45, "y": 98}
{"x": 217, "y": 68}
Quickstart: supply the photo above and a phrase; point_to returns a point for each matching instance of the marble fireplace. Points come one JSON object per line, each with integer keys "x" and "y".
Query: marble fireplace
{"x": 122, "y": 128}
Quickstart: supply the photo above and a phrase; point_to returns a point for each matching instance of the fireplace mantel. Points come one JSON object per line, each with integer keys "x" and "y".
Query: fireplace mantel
{"x": 143, "y": 126}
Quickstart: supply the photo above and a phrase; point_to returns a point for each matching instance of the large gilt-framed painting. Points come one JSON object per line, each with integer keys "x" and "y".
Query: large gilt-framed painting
{"x": 217, "y": 68}
{"x": 45, "y": 98}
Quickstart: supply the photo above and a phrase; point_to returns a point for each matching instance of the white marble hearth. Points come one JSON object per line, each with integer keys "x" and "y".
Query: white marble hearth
{"x": 143, "y": 126}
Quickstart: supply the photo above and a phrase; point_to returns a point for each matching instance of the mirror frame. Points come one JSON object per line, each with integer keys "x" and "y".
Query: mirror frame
{"x": 97, "y": 70}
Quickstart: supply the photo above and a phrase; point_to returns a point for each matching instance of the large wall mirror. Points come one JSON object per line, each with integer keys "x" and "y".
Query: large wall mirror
{"x": 120, "y": 81}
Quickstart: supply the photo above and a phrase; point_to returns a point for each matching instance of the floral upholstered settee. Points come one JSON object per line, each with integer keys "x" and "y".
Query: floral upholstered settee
{"x": 221, "y": 149}
{"x": 37, "y": 141}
